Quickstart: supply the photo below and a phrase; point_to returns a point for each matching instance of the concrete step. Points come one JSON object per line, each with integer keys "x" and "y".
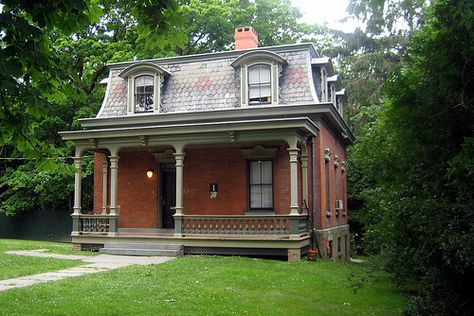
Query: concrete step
{"x": 118, "y": 245}
{"x": 141, "y": 252}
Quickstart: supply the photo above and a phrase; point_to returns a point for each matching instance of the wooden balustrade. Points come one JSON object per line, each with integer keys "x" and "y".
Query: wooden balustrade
{"x": 206, "y": 224}
{"x": 96, "y": 224}
{"x": 243, "y": 225}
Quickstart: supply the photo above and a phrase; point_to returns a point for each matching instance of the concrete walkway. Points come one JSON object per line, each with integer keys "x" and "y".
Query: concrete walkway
{"x": 97, "y": 264}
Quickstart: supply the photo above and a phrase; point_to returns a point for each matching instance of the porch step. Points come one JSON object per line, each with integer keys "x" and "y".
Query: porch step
{"x": 137, "y": 249}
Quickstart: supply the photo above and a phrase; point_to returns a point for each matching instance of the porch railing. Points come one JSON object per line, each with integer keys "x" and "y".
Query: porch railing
{"x": 244, "y": 224}
{"x": 94, "y": 224}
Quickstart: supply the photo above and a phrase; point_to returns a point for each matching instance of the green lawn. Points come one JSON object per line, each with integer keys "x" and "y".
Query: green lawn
{"x": 209, "y": 285}
{"x": 13, "y": 266}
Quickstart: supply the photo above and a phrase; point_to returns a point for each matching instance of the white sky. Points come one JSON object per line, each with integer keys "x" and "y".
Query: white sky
{"x": 325, "y": 11}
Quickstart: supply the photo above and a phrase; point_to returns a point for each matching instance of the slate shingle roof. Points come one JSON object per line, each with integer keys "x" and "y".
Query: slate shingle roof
{"x": 213, "y": 84}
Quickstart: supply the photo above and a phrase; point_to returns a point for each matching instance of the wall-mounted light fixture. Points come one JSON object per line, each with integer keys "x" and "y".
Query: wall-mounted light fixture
{"x": 149, "y": 174}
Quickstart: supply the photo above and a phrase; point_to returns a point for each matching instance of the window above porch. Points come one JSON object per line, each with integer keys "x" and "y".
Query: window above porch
{"x": 144, "y": 83}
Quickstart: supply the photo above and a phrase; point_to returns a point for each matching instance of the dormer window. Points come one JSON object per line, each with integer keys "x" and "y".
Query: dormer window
{"x": 333, "y": 94}
{"x": 259, "y": 84}
{"x": 324, "y": 84}
{"x": 144, "y": 94}
{"x": 144, "y": 82}
{"x": 259, "y": 77}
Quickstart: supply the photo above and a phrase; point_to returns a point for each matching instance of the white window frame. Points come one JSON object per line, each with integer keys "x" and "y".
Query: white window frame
{"x": 274, "y": 84}
{"x": 324, "y": 85}
{"x": 260, "y": 83}
{"x": 156, "y": 92}
{"x": 333, "y": 94}
{"x": 247, "y": 60}
{"x": 139, "y": 69}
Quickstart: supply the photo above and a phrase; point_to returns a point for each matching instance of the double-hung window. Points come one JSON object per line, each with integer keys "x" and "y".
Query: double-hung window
{"x": 259, "y": 77}
{"x": 259, "y": 84}
{"x": 144, "y": 81}
{"x": 261, "y": 184}
{"x": 144, "y": 94}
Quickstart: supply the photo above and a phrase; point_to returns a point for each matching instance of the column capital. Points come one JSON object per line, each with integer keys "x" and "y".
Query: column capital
{"x": 293, "y": 153}
{"x": 179, "y": 155}
{"x": 304, "y": 161}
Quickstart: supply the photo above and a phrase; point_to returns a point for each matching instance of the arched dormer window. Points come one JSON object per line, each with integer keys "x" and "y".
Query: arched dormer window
{"x": 259, "y": 77}
{"x": 144, "y": 80}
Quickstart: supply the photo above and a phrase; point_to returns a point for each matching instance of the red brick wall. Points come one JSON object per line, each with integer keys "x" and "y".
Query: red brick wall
{"x": 223, "y": 166}
{"x": 137, "y": 195}
{"x": 327, "y": 139}
{"x": 227, "y": 168}
{"x": 281, "y": 181}
{"x": 98, "y": 160}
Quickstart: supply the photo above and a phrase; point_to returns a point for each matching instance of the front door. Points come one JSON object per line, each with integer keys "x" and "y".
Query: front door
{"x": 168, "y": 196}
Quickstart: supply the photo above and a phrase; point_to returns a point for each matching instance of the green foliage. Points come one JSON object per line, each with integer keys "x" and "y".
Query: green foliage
{"x": 210, "y": 24}
{"x": 29, "y": 186}
{"x": 413, "y": 165}
{"x": 393, "y": 16}
{"x": 30, "y": 74}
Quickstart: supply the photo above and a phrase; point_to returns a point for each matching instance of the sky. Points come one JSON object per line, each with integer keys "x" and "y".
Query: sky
{"x": 325, "y": 11}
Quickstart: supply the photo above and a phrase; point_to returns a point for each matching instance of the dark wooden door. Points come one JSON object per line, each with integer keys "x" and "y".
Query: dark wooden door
{"x": 168, "y": 197}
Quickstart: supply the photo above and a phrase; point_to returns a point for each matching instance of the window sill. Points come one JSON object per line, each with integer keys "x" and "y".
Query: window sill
{"x": 260, "y": 212}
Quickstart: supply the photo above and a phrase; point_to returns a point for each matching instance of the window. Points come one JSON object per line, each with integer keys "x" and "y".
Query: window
{"x": 259, "y": 84}
{"x": 144, "y": 81}
{"x": 144, "y": 94}
{"x": 259, "y": 77}
{"x": 327, "y": 158}
{"x": 324, "y": 84}
{"x": 261, "y": 184}
{"x": 332, "y": 94}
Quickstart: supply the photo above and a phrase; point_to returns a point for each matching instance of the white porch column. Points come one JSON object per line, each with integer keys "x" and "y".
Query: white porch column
{"x": 105, "y": 175}
{"x": 113, "y": 184}
{"x": 179, "y": 157}
{"x": 304, "y": 180}
{"x": 77, "y": 185}
{"x": 294, "y": 207}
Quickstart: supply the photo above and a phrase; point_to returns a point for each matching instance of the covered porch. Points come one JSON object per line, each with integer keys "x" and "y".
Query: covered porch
{"x": 210, "y": 206}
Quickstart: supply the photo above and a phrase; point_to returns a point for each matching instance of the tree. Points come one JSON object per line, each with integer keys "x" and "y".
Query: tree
{"x": 415, "y": 159}
{"x": 210, "y": 24}
{"x": 52, "y": 56}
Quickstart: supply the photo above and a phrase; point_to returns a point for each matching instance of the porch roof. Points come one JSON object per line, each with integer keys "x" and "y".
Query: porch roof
{"x": 302, "y": 118}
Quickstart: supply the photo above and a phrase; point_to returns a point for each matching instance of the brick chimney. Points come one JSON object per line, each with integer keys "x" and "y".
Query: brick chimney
{"x": 245, "y": 38}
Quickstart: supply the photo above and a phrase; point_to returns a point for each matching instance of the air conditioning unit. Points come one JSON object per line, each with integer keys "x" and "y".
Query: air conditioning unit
{"x": 339, "y": 205}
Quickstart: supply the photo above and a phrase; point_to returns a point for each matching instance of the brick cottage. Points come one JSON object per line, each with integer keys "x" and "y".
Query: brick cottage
{"x": 239, "y": 152}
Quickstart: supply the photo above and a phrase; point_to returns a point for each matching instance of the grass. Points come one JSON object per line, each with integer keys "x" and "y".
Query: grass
{"x": 211, "y": 285}
{"x": 13, "y": 266}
